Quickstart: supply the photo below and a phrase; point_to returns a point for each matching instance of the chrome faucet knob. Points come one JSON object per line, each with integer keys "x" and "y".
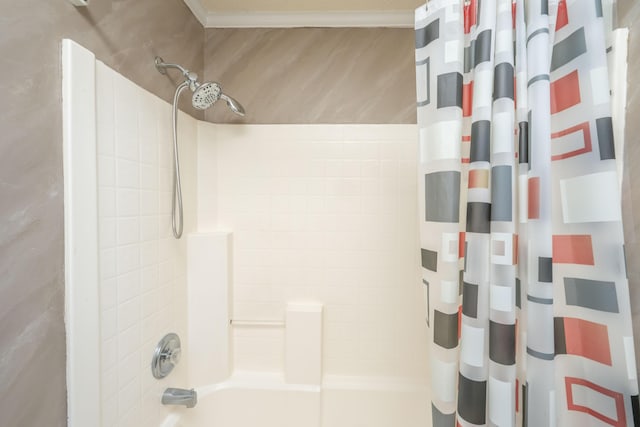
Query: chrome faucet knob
{"x": 172, "y": 356}
{"x": 166, "y": 356}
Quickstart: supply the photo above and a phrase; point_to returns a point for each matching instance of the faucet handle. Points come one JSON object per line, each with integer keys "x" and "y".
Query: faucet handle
{"x": 172, "y": 355}
{"x": 166, "y": 356}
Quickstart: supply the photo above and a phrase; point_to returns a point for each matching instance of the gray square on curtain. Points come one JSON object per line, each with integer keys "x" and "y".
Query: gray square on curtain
{"x": 442, "y": 196}
{"x": 472, "y": 400}
{"x": 502, "y": 343}
{"x": 445, "y": 329}
{"x": 450, "y": 90}
{"x": 501, "y": 193}
{"x": 604, "y": 128}
{"x": 440, "y": 419}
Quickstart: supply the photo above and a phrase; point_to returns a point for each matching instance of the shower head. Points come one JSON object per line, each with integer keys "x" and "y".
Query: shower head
{"x": 235, "y": 106}
{"x": 204, "y": 94}
{"x": 207, "y": 93}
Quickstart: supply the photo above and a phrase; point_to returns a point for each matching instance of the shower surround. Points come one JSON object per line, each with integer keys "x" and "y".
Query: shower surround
{"x": 288, "y": 217}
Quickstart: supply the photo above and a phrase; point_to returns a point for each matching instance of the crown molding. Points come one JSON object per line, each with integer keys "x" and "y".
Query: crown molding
{"x": 198, "y": 10}
{"x": 393, "y": 18}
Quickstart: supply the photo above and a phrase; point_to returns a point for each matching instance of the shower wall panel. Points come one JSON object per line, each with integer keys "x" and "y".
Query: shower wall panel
{"x": 142, "y": 267}
{"x": 322, "y": 213}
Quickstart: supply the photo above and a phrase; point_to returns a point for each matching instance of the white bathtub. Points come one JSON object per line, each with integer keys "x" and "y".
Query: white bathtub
{"x": 265, "y": 400}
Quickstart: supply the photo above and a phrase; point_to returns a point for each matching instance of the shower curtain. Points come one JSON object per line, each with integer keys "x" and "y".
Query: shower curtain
{"x": 521, "y": 235}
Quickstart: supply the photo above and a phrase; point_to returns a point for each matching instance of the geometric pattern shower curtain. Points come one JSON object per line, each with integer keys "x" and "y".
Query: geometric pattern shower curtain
{"x": 521, "y": 234}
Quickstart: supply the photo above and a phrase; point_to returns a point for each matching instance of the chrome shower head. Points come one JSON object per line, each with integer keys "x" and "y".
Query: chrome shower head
{"x": 234, "y": 105}
{"x": 205, "y": 95}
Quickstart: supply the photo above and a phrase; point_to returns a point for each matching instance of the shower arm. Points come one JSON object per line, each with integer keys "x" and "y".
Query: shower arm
{"x": 162, "y": 66}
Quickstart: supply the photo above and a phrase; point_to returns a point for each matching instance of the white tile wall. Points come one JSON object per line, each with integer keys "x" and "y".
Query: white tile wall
{"x": 325, "y": 213}
{"x": 320, "y": 213}
{"x": 142, "y": 267}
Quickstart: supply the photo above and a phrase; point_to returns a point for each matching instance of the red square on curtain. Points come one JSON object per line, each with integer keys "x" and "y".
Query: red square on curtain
{"x": 587, "y": 339}
{"x": 565, "y": 92}
{"x": 467, "y": 99}
{"x": 470, "y": 15}
{"x": 573, "y": 249}
{"x": 596, "y": 393}
{"x": 563, "y": 17}
{"x": 563, "y": 144}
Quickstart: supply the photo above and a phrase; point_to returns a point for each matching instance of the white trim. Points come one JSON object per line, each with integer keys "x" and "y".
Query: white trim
{"x": 198, "y": 10}
{"x": 82, "y": 314}
{"x": 263, "y": 19}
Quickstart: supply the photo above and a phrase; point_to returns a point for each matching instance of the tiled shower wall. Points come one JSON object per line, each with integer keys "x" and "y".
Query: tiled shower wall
{"x": 142, "y": 267}
{"x": 323, "y": 213}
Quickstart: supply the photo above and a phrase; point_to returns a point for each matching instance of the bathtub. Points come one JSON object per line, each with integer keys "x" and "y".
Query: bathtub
{"x": 266, "y": 400}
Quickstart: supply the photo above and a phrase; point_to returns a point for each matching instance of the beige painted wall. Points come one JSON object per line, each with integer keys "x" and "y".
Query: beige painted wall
{"x": 126, "y": 35}
{"x": 314, "y": 75}
{"x": 629, "y": 16}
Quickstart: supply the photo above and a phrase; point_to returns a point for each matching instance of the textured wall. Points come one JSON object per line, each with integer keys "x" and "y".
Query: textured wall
{"x": 629, "y": 16}
{"x": 125, "y": 34}
{"x": 314, "y": 75}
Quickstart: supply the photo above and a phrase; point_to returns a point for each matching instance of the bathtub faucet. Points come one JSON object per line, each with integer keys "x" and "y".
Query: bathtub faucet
{"x": 180, "y": 396}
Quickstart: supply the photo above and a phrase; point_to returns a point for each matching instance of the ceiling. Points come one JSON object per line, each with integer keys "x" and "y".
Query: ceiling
{"x": 304, "y": 13}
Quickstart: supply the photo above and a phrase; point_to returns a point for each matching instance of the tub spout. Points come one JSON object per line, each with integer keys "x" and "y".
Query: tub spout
{"x": 179, "y": 396}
